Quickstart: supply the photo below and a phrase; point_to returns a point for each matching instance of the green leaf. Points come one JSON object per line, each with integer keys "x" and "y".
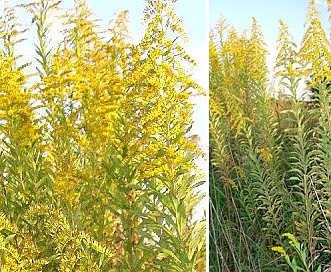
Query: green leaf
{"x": 9, "y": 238}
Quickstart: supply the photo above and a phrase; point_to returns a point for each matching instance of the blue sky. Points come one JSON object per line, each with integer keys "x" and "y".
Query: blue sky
{"x": 267, "y": 13}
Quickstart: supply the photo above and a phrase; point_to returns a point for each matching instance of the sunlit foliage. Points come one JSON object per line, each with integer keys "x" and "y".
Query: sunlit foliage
{"x": 97, "y": 170}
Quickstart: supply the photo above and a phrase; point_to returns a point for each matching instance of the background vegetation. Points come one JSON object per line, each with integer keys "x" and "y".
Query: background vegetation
{"x": 96, "y": 169}
{"x": 270, "y": 160}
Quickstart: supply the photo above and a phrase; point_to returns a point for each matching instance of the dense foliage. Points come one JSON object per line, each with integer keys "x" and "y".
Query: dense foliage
{"x": 270, "y": 160}
{"x": 97, "y": 171}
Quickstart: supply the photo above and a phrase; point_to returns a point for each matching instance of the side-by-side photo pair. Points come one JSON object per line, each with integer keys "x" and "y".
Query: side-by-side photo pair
{"x": 165, "y": 135}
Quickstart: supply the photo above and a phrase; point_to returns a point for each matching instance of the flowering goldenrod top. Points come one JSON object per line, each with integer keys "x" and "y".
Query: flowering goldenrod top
{"x": 95, "y": 155}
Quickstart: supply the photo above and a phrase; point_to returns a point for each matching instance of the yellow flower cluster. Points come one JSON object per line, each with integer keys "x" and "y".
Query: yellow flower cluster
{"x": 232, "y": 183}
{"x": 239, "y": 62}
{"x": 266, "y": 156}
{"x": 293, "y": 240}
{"x": 66, "y": 186}
{"x": 279, "y": 249}
{"x": 17, "y": 113}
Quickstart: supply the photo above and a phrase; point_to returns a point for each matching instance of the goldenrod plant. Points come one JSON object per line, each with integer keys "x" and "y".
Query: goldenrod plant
{"x": 300, "y": 251}
{"x": 97, "y": 169}
{"x": 269, "y": 150}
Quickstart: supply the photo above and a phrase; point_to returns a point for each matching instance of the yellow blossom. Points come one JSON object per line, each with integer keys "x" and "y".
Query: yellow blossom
{"x": 266, "y": 156}
{"x": 279, "y": 249}
{"x": 232, "y": 183}
{"x": 293, "y": 240}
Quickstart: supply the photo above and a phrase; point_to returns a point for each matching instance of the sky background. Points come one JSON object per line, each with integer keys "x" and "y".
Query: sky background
{"x": 239, "y": 13}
